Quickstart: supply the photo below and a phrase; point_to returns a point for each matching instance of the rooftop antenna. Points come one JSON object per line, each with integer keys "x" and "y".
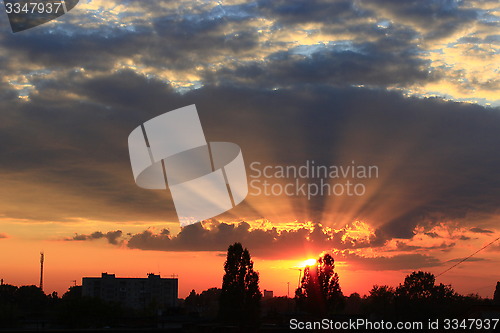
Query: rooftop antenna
{"x": 41, "y": 270}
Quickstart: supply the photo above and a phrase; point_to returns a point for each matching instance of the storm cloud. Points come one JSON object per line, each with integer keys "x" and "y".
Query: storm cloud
{"x": 78, "y": 153}
{"x": 111, "y": 236}
{"x": 288, "y": 81}
{"x": 271, "y": 243}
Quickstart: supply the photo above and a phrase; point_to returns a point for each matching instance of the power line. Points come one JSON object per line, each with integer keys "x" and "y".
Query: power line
{"x": 464, "y": 259}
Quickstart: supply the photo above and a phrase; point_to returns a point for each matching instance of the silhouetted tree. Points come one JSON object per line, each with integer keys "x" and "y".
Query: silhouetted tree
{"x": 78, "y": 311}
{"x": 381, "y": 293}
{"x": 320, "y": 291}
{"x": 73, "y": 293}
{"x": 353, "y": 304}
{"x": 421, "y": 285}
{"x": 205, "y": 304}
{"x": 496, "y": 295}
{"x": 240, "y": 295}
{"x": 380, "y": 301}
{"x": 209, "y": 301}
{"x": 31, "y": 300}
{"x": 274, "y": 308}
{"x": 191, "y": 302}
{"x": 53, "y": 297}
{"x": 8, "y": 305}
{"x": 420, "y": 297}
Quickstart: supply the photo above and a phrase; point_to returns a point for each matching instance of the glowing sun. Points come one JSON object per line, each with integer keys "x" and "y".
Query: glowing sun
{"x": 309, "y": 262}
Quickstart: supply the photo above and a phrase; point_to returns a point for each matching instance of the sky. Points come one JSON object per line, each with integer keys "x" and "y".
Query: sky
{"x": 408, "y": 87}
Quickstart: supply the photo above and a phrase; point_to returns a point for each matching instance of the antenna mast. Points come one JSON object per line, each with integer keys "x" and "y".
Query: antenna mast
{"x": 41, "y": 270}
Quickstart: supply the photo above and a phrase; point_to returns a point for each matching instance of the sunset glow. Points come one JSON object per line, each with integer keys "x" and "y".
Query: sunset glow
{"x": 309, "y": 262}
{"x": 369, "y": 130}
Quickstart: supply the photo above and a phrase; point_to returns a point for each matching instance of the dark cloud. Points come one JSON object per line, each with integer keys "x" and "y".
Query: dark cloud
{"x": 64, "y": 153}
{"x": 272, "y": 243}
{"x": 480, "y": 230}
{"x": 434, "y": 18}
{"x": 437, "y": 18}
{"x": 391, "y": 57}
{"x": 56, "y": 50}
{"x": 237, "y": 51}
{"x": 456, "y": 237}
{"x": 469, "y": 259}
{"x": 437, "y": 159}
{"x": 307, "y": 11}
{"x": 376, "y": 57}
{"x": 3, "y": 236}
{"x": 171, "y": 41}
{"x": 65, "y": 149}
{"x": 403, "y": 246}
{"x": 113, "y": 237}
{"x": 78, "y": 148}
{"x": 167, "y": 37}
{"x": 371, "y": 64}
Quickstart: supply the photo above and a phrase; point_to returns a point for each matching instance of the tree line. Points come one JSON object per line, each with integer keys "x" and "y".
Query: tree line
{"x": 240, "y": 302}
{"x": 320, "y": 295}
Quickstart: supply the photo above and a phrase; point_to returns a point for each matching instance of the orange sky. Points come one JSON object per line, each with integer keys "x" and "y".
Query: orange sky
{"x": 410, "y": 87}
{"x": 66, "y": 261}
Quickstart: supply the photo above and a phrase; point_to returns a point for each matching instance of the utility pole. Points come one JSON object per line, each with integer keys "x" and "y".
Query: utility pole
{"x": 41, "y": 270}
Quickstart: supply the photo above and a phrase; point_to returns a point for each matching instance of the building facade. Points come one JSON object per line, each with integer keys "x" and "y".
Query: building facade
{"x": 268, "y": 294}
{"x": 138, "y": 293}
